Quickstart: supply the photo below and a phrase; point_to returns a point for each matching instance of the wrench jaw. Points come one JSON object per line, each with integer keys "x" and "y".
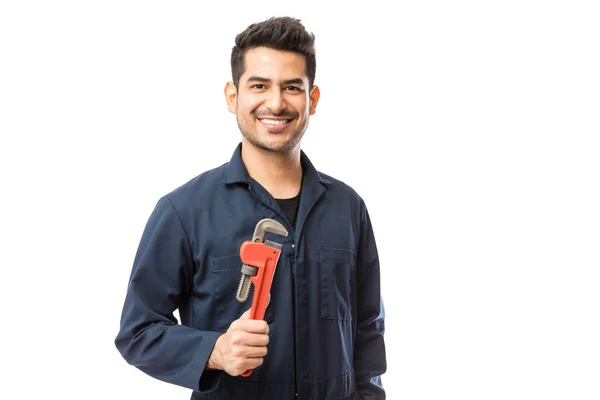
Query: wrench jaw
{"x": 267, "y": 225}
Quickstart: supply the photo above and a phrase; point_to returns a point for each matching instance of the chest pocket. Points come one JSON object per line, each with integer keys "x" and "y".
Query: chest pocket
{"x": 338, "y": 283}
{"x": 226, "y": 273}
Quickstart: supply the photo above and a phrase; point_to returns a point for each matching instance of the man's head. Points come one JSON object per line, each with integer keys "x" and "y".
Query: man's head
{"x": 282, "y": 33}
{"x": 273, "y": 93}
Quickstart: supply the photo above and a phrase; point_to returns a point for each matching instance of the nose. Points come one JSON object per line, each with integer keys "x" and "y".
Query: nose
{"x": 275, "y": 102}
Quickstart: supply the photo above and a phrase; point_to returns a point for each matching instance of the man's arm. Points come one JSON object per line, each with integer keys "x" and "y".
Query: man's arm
{"x": 369, "y": 350}
{"x": 161, "y": 280}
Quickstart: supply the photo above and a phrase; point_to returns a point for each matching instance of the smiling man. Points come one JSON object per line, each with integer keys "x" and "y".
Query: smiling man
{"x": 322, "y": 336}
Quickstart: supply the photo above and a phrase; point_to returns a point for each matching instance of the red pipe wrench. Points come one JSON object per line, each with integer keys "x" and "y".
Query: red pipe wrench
{"x": 259, "y": 258}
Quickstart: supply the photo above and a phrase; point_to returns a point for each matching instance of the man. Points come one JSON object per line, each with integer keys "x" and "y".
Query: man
{"x": 322, "y": 335}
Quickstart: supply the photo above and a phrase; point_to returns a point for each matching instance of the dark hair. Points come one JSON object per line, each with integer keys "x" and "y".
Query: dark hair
{"x": 279, "y": 33}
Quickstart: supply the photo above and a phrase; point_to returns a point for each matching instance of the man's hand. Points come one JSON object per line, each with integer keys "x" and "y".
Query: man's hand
{"x": 242, "y": 347}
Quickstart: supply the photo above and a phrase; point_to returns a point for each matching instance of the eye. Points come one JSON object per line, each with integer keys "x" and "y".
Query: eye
{"x": 259, "y": 86}
{"x": 293, "y": 89}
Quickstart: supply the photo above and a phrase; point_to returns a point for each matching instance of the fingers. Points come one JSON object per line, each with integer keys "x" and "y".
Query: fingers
{"x": 250, "y": 326}
{"x": 241, "y": 338}
{"x": 240, "y": 365}
{"x": 254, "y": 351}
{"x": 248, "y": 363}
{"x": 256, "y": 340}
{"x": 241, "y": 352}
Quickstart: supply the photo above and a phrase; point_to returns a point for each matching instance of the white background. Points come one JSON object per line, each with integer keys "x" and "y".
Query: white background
{"x": 470, "y": 129}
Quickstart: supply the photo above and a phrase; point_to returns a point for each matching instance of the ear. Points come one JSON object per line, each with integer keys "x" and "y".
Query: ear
{"x": 231, "y": 97}
{"x": 315, "y": 93}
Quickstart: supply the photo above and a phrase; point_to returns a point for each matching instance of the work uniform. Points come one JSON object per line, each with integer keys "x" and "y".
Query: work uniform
{"x": 326, "y": 314}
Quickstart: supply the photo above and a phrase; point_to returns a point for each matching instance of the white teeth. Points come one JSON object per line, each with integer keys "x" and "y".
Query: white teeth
{"x": 275, "y": 121}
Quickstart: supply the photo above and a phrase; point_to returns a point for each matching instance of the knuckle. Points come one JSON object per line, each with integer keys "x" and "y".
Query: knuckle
{"x": 237, "y": 352}
{"x": 236, "y": 338}
{"x": 239, "y": 365}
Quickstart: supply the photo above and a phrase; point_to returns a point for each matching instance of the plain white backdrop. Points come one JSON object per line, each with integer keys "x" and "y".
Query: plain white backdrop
{"x": 469, "y": 128}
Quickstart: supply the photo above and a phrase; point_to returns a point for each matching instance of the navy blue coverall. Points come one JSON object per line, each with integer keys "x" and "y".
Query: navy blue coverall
{"x": 326, "y": 313}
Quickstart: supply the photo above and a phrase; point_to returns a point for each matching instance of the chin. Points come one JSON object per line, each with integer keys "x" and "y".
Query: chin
{"x": 273, "y": 142}
{"x": 276, "y": 146}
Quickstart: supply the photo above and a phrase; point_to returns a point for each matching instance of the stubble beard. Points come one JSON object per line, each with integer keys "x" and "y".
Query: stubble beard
{"x": 289, "y": 145}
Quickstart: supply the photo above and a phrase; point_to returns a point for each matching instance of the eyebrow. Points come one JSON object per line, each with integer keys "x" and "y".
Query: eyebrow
{"x": 294, "y": 81}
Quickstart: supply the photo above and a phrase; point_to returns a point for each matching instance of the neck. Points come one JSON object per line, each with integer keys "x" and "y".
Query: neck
{"x": 280, "y": 173}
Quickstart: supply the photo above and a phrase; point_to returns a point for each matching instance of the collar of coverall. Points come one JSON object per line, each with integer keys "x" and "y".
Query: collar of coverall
{"x": 236, "y": 172}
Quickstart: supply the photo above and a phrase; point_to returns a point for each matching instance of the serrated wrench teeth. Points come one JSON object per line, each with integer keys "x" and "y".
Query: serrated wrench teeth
{"x": 244, "y": 287}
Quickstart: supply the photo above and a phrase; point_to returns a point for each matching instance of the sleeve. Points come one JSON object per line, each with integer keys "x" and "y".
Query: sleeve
{"x": 369, "y": 352}
{"x": 149, "y": 337}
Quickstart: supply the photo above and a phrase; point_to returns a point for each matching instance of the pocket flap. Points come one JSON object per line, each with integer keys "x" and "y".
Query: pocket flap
{"x": 331, "y": 254}
{"x": 225, "y": 263}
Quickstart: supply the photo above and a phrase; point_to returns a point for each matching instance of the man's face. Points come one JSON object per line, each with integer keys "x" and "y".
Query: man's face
{"x": 272, "y": 104}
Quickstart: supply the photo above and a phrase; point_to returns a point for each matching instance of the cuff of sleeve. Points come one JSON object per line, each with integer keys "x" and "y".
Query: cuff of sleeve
{"x": 209, "y": 379}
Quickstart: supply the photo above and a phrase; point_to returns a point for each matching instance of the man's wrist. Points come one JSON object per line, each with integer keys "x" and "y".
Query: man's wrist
{"x": 213, "y": 360}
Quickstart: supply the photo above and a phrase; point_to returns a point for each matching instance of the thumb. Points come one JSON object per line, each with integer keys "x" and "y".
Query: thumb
{"x": 246, "y": 314}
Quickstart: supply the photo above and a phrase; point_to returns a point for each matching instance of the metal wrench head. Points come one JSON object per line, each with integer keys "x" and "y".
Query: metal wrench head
{"x": 263, "y": 226}
{"x": 267, "y": 225}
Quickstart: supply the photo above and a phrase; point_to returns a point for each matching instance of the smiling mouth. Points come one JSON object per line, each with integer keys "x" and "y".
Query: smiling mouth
{"x": 275, "y": 124}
